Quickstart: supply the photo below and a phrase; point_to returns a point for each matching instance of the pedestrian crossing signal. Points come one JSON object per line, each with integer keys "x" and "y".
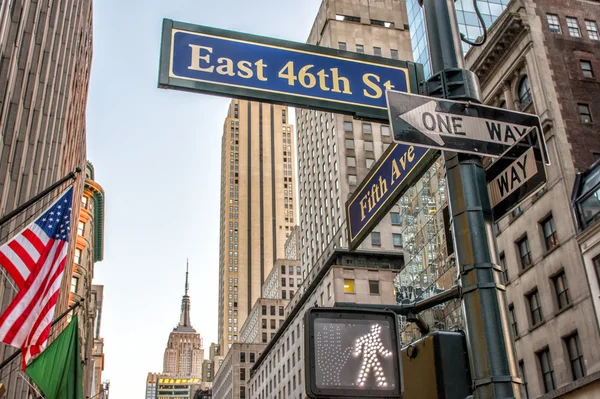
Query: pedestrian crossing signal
{"x": 352, "y": 353}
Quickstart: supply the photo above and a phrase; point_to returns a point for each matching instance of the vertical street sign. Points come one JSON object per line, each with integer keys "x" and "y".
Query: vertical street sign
{"x": 396, "y": 170}
{"x": 515, "y": 176}
{"x": 456, "y": 125}
{"x": 232, "y": 64}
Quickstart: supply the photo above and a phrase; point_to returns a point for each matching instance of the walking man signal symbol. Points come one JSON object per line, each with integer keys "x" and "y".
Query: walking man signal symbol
{"x": 371, "y": 347}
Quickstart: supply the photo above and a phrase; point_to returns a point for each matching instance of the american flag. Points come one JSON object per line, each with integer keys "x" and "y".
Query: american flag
{"x": 35, "y": 259}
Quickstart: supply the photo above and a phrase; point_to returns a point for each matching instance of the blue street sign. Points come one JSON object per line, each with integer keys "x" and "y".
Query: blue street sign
{"x": 245, "y": 66}
{"x": 397, "y": 170}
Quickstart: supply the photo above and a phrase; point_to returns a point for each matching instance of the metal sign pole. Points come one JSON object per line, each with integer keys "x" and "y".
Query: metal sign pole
{"x": 492, "y": 356}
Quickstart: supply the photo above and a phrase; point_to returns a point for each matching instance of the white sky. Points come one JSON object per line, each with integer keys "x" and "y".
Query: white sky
{"x": 157, "y": 155}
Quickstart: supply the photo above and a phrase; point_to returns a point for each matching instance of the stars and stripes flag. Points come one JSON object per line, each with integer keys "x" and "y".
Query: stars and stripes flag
{"x": 35, "y": 259}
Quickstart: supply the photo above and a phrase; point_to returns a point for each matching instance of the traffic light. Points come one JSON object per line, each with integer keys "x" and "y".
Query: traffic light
{"x": 352, "y": 353}
{"x": 437, "y": 367}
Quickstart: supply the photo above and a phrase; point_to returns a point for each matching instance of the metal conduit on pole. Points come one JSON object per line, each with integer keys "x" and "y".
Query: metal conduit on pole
{"x": 491, "y": 352}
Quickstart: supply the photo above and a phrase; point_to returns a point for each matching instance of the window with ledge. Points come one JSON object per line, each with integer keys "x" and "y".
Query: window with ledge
{"x": 376, "y": 238}
{"x": 524, "y": 387}
{"x": 385, "y": 130}
{"x": 374, "y": 287}
{"x": 395, "y": 217}
{"x": 502, "y": 261}
{"x": 360, "y": 48}
{"x": 342, "y": 45}
{"x": 394, "y": 54}
{"x": 80, "y": 228}
{"x": 524, "y": 252}
{"x": 549, "y": 230}
{"x": 585, "y": 116}
{"x": 367, "y": 128}
{"x": 512, "y": 319}
{"x": 586, "y": 69}
{"x": 397, "y": 239}
{"x": 561, "y": 290}
{"x": 377, "y": 51}
{"x": 352, "y": 179}
{"x": 573, "y": 27}
{"x": 84, "y": 201}
{"x": 348, "y": 127}
{"x": 351, "y": 162}
{"x": 535, "y": 308}
{"x": 74, "y": 284}
{"x": 592, "y": 29}
{"x": 546, "y": 370}
{"x": 370, "y": 162}
{"x": 349, "y": 286}
{"x": 368, "y": 146}
{"x": 349, "y": 144}
{"x": 77, "y": 258}
{"x": 553, "y": 23}
{"x": 575, "y": 356}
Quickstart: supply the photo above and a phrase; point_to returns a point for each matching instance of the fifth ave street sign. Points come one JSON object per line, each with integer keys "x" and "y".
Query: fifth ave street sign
{"x": 516, "y": 175}
{"x": 456, "y": 125}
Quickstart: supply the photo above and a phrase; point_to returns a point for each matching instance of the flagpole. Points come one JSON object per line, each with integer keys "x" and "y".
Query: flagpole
{"x": 21, "y": 208}
{"x": 59, "y": 318}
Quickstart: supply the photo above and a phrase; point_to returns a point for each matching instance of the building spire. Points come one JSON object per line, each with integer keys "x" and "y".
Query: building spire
{"x": 184, "y": 320}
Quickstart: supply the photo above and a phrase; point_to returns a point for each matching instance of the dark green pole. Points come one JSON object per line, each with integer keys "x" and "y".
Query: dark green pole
{"x": 491, "y": 352}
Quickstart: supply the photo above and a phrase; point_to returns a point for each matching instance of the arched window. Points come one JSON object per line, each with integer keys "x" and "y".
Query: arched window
{"x": 524, "y": 92}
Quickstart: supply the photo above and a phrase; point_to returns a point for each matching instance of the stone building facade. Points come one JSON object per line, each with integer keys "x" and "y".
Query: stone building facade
{"x": 45, "y": 60}
{"x": 231, "y": 380}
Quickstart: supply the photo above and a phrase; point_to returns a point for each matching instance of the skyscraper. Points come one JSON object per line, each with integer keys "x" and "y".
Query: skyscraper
{"x": 468, "y": 24}
{"x": 257, "y": 206}
{"x": 335, "y": 152}
{"x": 184, "y": 353}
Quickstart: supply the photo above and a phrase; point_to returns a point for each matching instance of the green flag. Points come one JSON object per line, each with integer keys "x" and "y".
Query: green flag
{"x": 57, "y": 371}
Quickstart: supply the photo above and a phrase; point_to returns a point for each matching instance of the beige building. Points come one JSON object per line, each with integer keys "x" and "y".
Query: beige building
{"x": 97, "y": 386}
{"x": 536, "y": 61}
{"x": 335, "y": 151}
{"x": 184, "y": 353}
{"x": 257, "y": 207}
{"x": 231, "y": 380}
{"x": 358, "y": 277}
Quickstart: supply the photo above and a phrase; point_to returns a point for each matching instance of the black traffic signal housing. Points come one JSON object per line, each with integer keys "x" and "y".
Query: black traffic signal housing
{"x": 437, "y": 367}
{"x": 352, "y": 353}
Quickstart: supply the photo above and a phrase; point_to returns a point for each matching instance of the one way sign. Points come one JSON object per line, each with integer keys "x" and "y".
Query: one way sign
{"x": 456, "y": 125}
{"x": 516, "y": 175}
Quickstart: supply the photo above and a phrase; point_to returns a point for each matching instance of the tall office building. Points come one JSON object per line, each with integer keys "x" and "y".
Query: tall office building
{"x": 45, "y": 59}
{"x": 468, "y": 24}
{"x": 257, "y": 207}
{"x": 184, "y": 353}
{"x": 335, "y": 151}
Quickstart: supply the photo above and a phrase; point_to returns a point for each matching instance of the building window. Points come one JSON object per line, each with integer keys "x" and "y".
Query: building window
{"x": 395, "y": 216}
{"x": 74, "y": 284}
{"x": 272, "y": 310}
{"x": 575, "y": 356}
{"x": 524, "y": 386}
{"x": 80, "y": 228}
{"x": 586, "y": 69}
{"x": 374, "y": 287}
{"x": 394, "y": 53}
{"x": 397, "y": 239}
{"x": 360, "y": 48}
{"x": 503, "y": 104}
{"x": 524, "y": 252}
{"x": 281, "y": 311}
{"x": 84, "y": 201}
{"x": 596, "y": 262}
{"x": 502, "y": 260}
{"x": 242, "y": 357}
{"x": 512, "y": 319}
{"x": 535, "y": 308}
{"x": 77, "y": 258}
{"x": 592, "y": 30}
{"x": 546, "y": 369}
{"x": 273, "y": 324}
{"x": 283, "y": 281}
{"x": 585, "y": 116}
{"x": 377, "y": 51}
{"x": 376, "y": 238}
{"x": 329, "y": 291}
{"x": 553, "y": 23}
{"x": 352, "y": 179}
{"x": 349, "y": 286}
{"x": 573, "y": 27}
{"x": 368, "y": 146}
{"x": 264, "y": 310}
{"x": 342, "y": 45}
{"x": 322, "y": 299}
{"x": 367, "y": 128}
{"x": 242, "y": 392}
{"x": 524, "y": 92}
{"x": 351, "y": 162}
{"x": 349, "y": 143}
{"x": 549, "y": 229}
{"x": 264, "y": 338}
{"x": 348, "y": 127}
{"x": 282, "y": 269}
{"x": 264, "y": 323}
{"x": 369, "y": 162}
{"x": 385, "y": 130}
{"x": 561, "y": 290}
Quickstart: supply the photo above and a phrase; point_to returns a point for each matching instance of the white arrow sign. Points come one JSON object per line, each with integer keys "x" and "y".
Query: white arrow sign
{"x": 436, "y": 125}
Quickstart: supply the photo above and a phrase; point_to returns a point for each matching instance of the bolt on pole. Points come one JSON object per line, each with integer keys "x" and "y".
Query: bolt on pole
{"x": 491, "y": 351}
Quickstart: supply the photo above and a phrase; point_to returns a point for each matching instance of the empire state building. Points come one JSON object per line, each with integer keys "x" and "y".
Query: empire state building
{"x": 184, "y": 354}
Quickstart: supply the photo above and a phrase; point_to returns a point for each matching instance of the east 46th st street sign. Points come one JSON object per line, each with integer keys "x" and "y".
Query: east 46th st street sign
{"x": 457, "y": 125}
{"x": 215, "y": 61}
